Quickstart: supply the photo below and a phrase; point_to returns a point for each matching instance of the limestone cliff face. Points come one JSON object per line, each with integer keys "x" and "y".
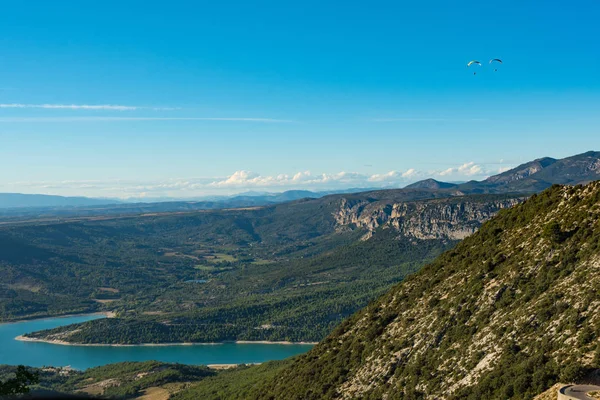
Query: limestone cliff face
{"x": 454, "y": 218}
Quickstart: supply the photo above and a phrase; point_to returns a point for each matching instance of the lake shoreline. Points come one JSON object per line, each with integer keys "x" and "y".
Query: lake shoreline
{"x": 112, "y": 314}
{"x": 107, "y": 314}
{"x": 65, "y": 343}
{"x": 228, "y": 366}
{"x": 81, "y": 357}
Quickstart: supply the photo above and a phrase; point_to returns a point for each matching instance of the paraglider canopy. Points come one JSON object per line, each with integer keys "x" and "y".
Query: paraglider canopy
{"x": 474, "y": 62}
{"x": 493, "y": 60}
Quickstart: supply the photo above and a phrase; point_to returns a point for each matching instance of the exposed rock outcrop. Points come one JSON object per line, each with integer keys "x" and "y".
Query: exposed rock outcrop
{"x": 453, "y": 218}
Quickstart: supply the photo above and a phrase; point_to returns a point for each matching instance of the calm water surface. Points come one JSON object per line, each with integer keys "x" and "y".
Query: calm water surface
{"x": 81, "y": 357}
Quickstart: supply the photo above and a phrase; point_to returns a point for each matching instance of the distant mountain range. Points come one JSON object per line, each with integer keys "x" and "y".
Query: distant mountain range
{"x": 289, "y": 195}
{"x": 252, "y": 196}
{"x": 10, "y": 200}
{"x": 528, "y": 178}
{"x": 22, "y": 201}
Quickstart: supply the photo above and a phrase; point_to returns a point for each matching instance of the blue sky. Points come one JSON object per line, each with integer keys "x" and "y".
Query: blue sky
{"x": 188, "y": 98}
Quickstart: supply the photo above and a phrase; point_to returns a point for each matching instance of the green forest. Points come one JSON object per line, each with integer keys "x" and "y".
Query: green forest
{"x": 522, "y": 293}
{"x": 280, "y": 273}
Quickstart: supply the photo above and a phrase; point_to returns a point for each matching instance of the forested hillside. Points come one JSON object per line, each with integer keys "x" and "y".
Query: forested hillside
{"x": 507, "y": 313}
{"x": 286, "y": 272}
{"x": 289, "y": 271}
{"x": 124, "y": 380}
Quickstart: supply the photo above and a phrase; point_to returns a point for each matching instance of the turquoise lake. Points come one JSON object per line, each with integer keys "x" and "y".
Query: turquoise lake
{"x": 15, "y": 352}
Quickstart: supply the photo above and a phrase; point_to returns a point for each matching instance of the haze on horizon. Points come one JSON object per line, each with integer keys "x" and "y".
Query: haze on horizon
{"x": 181, "y": 100}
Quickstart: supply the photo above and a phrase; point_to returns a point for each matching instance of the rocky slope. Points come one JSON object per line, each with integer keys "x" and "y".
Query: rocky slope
{"x": 530, "y": 177}
{"x": 521, "y": 172}
{"x": 431, "y": 209}
{"x": 453, "y": 218}
{"x": 509, "y": 312}
{"x": 540, "y": 174}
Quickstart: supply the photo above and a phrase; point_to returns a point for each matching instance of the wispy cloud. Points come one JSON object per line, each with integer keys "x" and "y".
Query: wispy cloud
{"x": 116, "y": 119}
{"x": 426, "y": 119}
{"x": 113, "y": 107}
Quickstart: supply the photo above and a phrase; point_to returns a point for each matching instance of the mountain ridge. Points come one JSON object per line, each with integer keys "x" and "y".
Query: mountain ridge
{"x": 22, "y": 200}
{"x": 505, "y": 314}
{"x": 527, "y": 178}
{"x": 532, "y": 176}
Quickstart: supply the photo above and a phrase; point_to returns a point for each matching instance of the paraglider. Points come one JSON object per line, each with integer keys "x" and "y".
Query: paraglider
{"x": 493, "y": 60}
{"x": 474, "y": 62}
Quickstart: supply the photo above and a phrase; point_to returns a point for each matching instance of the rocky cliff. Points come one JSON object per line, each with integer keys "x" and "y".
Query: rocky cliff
{"x": 452, "y": 218}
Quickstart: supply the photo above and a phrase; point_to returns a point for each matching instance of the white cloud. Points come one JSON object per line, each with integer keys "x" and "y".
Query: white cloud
{"x": 248, "y": 179}
{"x": 467, "y": 169}
{"x": 470, "y": 169}
{"x": 301, "y": 176}
{"x": 117, "y": 119}
{"x": 243, "y": 180}
{"x": 447, "y": 172}
{"x": 113, "y": 107}
{"x": 239, "y": 178}
{"x": 409, "y": 173}
{"x": 384, "y": 177}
